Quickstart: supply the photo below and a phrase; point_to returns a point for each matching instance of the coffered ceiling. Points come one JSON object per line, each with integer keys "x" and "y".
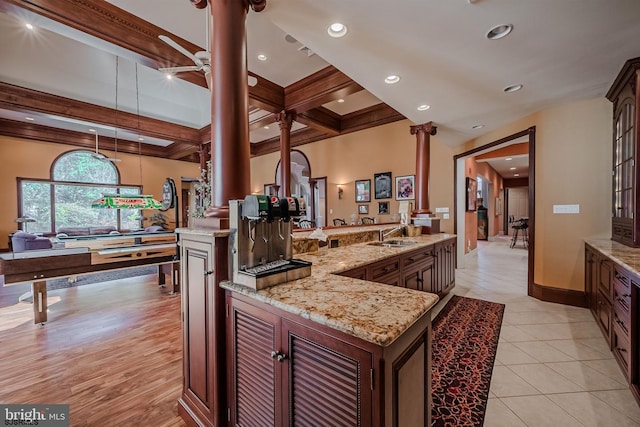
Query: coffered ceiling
{"x": 63, "y": 74}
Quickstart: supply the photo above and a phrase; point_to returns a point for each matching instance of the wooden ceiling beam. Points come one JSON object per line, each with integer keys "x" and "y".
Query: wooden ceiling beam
{"x": 326, "y": 85}
{"x": 376, "y": 115}
{"x": 299, "y": 137}
{"x": 17, "y": 98}
{"x": 322, "y": 119}
{"x": 16, "y": 129}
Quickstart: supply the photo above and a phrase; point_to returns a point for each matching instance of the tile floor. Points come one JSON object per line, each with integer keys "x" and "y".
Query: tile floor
{"x": 553, "y": 366}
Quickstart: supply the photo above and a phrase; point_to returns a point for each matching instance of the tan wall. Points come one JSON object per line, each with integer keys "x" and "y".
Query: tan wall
{"x": 573, "y": 166}
{"x": 32, "y": 159}
{"x": 347, "y": 158}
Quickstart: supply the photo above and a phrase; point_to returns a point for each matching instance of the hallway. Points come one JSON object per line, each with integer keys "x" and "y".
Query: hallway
{"x": 553, "y": 366}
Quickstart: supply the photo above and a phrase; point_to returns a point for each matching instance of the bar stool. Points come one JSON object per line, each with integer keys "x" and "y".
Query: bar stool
{"x": 520, "y": 226}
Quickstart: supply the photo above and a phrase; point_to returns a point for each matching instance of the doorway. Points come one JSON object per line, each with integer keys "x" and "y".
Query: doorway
{"x": 465, "y": 236}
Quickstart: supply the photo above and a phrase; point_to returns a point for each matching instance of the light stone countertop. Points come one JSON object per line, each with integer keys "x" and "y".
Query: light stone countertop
{"x": 626, "y": 256}
{"x": 371, "y": 311}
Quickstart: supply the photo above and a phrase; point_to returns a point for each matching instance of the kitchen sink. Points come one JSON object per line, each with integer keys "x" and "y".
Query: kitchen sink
{"x": 393, "y": 243}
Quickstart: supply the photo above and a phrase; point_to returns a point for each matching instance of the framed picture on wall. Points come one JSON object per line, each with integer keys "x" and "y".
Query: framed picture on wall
{"x": 363, "y": 190}
{"x": 472, "y": 194}
{"x": 363, "y": 209}
{"x": 382, "y": 185}
{"x": 383, "y": 208}
{"x": 405, "y": 187}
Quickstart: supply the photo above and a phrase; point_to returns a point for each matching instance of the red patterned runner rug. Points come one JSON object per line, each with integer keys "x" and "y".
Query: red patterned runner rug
{"x": 465, "y": 339}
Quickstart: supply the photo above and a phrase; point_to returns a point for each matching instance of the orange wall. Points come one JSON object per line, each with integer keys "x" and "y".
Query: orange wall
{"x": 347, "y": 158}
{"x": 32, "y": 159}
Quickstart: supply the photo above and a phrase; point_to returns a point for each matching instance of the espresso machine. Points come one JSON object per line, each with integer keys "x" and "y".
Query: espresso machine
{"x": 262, "y": 242}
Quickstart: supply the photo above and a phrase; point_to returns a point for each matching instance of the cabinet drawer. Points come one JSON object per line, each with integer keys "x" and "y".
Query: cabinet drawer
{"x": 621, "y": 349}
{"x": 622, "y": 322}
{"x": 414, "y": 257}
{"x": 384, "y": 268}
{"x": 622, "y": 295}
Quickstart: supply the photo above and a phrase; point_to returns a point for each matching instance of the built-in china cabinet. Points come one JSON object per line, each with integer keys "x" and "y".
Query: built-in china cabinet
{"x": 625, "y": 225}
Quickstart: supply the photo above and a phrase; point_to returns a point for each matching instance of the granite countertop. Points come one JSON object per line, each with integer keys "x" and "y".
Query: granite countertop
{"x": 349, "y": 229}
{"x": 371, "y": 311}
{"x": 626, "y": 256}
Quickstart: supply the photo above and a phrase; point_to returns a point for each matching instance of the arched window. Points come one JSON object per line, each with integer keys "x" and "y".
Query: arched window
{"x": 77, "y": 178}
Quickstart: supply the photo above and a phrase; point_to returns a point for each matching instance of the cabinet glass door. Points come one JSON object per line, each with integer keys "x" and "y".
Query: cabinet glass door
{"x": 623, "y": 165}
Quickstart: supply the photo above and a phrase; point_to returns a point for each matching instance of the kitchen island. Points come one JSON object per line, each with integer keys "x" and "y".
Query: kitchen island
{"x": 327, "y": 349}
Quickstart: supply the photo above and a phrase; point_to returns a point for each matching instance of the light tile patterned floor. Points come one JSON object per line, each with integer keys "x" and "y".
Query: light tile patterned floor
{"x": 553, "y": 366}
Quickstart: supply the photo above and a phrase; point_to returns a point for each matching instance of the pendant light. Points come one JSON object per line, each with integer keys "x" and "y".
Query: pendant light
{"x": 118, "y": 201}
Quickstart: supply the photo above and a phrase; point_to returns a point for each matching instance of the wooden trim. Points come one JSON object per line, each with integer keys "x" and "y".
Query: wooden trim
{"x": 326, "y": 85}
{"x": 322, "y": 119}
{"x": 375, "y": 115}
{"x": 22, "y": 99}
{"x": 560, "y": 296}
{"x": 532, "y": 210}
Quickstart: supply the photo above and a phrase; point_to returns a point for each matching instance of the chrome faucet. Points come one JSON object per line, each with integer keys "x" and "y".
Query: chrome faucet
{"x": 384, "y": 235}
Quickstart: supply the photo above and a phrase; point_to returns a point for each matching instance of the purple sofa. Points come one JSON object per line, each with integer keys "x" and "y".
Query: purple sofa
{"x": 22, "y": 241}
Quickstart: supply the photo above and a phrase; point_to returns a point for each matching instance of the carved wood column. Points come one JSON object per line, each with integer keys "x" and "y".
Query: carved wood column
{"x": 230, "y": 153}
{"x": 423, "y": 134}
{"x": 285, "y": 120}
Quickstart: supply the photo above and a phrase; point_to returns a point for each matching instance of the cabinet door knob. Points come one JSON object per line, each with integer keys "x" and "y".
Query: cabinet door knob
{"x": 620, "y": 349}
{"x": 208, "y": 273}
{"x": 274, "y": 354}
{"x": 281, "y": 357}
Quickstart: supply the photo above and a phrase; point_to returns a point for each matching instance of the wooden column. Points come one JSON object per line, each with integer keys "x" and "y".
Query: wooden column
{"x": 423, "y": 134}
{"x": 312, "y": 187}
{"x": 230, "y": 153}
{"x": 285, "y": 120}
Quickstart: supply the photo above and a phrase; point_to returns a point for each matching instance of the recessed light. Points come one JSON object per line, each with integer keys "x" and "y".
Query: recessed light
{"x": 509, "y": 158}
{"x": 29, "y": 26}
{"x": 516, "y": 174}
{"x": 477, "y": 126}
{"x": 92, "y": 130}
{"x": 140, "y": 138}
{"x": 392, "y": 79}
{"x": 512, "y": 88}
{"x": 168, "y": 76}
{"x": 262, "y": 57}
{"x": 423, "y": 107}
{"x": 340, "y": 101}
{"x": 499, "y": 31}
{"x": 337, "y": 30}
{"x": 29, "y": 118}
{"x": 266, "y": 127}
{"x": 512, "y": 169}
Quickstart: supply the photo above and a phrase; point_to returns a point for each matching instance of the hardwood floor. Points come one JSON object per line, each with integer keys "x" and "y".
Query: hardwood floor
{"x": 111, "y": 350}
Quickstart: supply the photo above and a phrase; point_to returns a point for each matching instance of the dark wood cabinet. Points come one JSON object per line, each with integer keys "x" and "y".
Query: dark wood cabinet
{"x": 591, "y": 261}
{"x": 613, "y": 292}
{"x": 429, "y": 268}
{"x": 625, "y": 223}
{"x": 204, "y": 265}
{"x": 288, "y": 371}
{"x": 284, "y": 373}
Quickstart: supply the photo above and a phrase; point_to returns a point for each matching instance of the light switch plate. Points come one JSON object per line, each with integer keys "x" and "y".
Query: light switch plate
{"x": 442, "y": 210}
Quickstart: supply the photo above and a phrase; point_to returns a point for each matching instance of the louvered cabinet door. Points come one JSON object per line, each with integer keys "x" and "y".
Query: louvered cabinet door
{"x": 329, "y": 381}
{"x": 255, "y": 370}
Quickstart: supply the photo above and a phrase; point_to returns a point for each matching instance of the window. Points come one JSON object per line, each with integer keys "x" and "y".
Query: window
{"x": 77, "y": 178}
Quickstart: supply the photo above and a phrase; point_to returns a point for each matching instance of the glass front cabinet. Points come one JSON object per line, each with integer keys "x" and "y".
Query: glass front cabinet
{"x": 625, "y": 225}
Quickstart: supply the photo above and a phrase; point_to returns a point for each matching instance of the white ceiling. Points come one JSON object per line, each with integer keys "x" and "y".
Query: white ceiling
{"x": 560, "y": 50}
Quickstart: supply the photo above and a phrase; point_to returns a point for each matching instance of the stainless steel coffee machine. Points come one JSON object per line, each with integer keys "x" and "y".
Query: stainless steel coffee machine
{"x": 262, "y": 252}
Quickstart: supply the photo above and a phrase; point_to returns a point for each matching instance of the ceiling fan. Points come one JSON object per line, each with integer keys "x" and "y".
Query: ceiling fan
{"x": 201, "y": 59}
